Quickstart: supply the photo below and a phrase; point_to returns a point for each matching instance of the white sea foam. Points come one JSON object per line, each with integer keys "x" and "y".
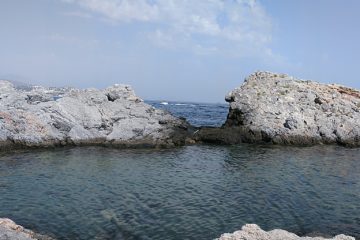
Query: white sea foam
{"x": 184, "y": 104}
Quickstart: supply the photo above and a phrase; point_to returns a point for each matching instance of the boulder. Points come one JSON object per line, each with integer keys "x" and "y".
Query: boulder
{"x": 43, "y": 117}
{"x": 280, "y": 109}
{"x": 9, "y": 230}
{"x": 254, "y": 232}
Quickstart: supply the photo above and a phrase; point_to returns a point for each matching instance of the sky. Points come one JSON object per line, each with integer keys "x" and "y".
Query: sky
{"x": 181, "y": 50}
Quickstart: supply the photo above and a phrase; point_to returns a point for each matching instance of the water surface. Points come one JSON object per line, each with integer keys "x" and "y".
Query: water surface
{"x": 197, "y": 114}
{"x": 193, "y": 192}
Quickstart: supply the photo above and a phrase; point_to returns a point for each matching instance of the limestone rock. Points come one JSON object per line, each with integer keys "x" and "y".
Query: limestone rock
{"x": 254, "y": 232}
{"x": 43, "y": 117}
{"x": 280, "y": 109}
{"x": 11, "y": 231}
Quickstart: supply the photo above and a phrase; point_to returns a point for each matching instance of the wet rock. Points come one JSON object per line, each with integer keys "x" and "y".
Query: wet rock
{"x": 43, "y": 117}
{"x": 254, "y": 232}
{"x": 280, "y": 109}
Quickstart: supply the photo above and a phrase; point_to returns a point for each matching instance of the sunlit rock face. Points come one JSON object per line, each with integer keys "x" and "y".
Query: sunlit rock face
{"x": 280, "y": 109}
{"x": 113, "y": 116}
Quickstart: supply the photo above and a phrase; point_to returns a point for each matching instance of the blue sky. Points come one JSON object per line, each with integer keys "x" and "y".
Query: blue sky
{"x": 177, "y": 49}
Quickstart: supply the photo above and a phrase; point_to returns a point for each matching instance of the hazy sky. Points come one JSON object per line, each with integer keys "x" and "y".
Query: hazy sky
{"x": 193, "y": 50}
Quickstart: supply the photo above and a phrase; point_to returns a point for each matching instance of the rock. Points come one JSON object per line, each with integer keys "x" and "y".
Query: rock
{"x": 280, "y": 109}
{"x": 11, "y": 231}
{"x": 254, "y": 232}
{"x": 43, "y": 117}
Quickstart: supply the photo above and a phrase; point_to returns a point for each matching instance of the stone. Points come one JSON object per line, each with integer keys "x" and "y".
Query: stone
{"x": 115, "y": 116}
{"x": 254, "y": 232}
{"x": 280, "y": 109}
{"x": 9, "y": 230}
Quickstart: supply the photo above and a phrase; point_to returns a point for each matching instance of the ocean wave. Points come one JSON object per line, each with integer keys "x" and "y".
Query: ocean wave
{"x": 184, "y": 104}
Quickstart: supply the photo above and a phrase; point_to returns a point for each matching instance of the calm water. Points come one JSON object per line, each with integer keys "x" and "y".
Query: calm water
{"x": 194, "y": 192}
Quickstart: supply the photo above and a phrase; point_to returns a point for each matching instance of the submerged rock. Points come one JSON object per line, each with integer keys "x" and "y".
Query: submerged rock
{"x": 280, "y": 109}
{"x": 254, "y": 232}
{"x": 43, "y": 117}
{"x": 11, "y": 231}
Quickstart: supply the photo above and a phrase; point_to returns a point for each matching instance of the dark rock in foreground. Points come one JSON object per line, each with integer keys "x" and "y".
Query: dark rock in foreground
{"x": 280, "y": 109}
{"x": 254, "y": 232}
{"x": 43, "y": 117}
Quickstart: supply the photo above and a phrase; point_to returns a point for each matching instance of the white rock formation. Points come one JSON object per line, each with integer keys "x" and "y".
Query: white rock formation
{"x": 280, "y": 109}
{"x": 254, "y": 232}
{"x": 113, "y": 116}
{"x": 11, "y": 231}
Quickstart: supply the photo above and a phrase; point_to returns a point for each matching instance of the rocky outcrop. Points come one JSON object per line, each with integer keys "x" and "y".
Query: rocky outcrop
{"x": 268, "y": 107}
{"x": 254, "y": 232}
{"x": 43, "y": 117}
{"x": 11, "y": 231}
{"x": 280, "y": 109}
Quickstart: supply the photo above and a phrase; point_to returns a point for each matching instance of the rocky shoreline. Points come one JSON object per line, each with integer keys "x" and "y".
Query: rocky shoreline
{"x": 115, "y": 116}
{"x": 266, "y": 108}
{"x": 254, "y": 232}
{"x": 9, "y": 230}
{"x": 279, "y": 109}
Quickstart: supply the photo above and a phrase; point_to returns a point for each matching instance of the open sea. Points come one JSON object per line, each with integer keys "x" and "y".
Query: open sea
{"x": 197, "y": 114}
{"x": 191, "y": 192}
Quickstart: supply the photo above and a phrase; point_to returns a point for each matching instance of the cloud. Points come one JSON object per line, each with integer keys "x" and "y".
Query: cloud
{"x": 214, "y": 25}
{"x": 121, "y": 10}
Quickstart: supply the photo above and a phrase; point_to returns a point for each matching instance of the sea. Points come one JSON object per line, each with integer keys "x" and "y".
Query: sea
{"x": 197, "y": 114}
{"x": 190, "y": 192}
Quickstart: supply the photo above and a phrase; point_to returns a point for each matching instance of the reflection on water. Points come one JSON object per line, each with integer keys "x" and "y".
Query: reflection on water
{"x": 194, "y": 192}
